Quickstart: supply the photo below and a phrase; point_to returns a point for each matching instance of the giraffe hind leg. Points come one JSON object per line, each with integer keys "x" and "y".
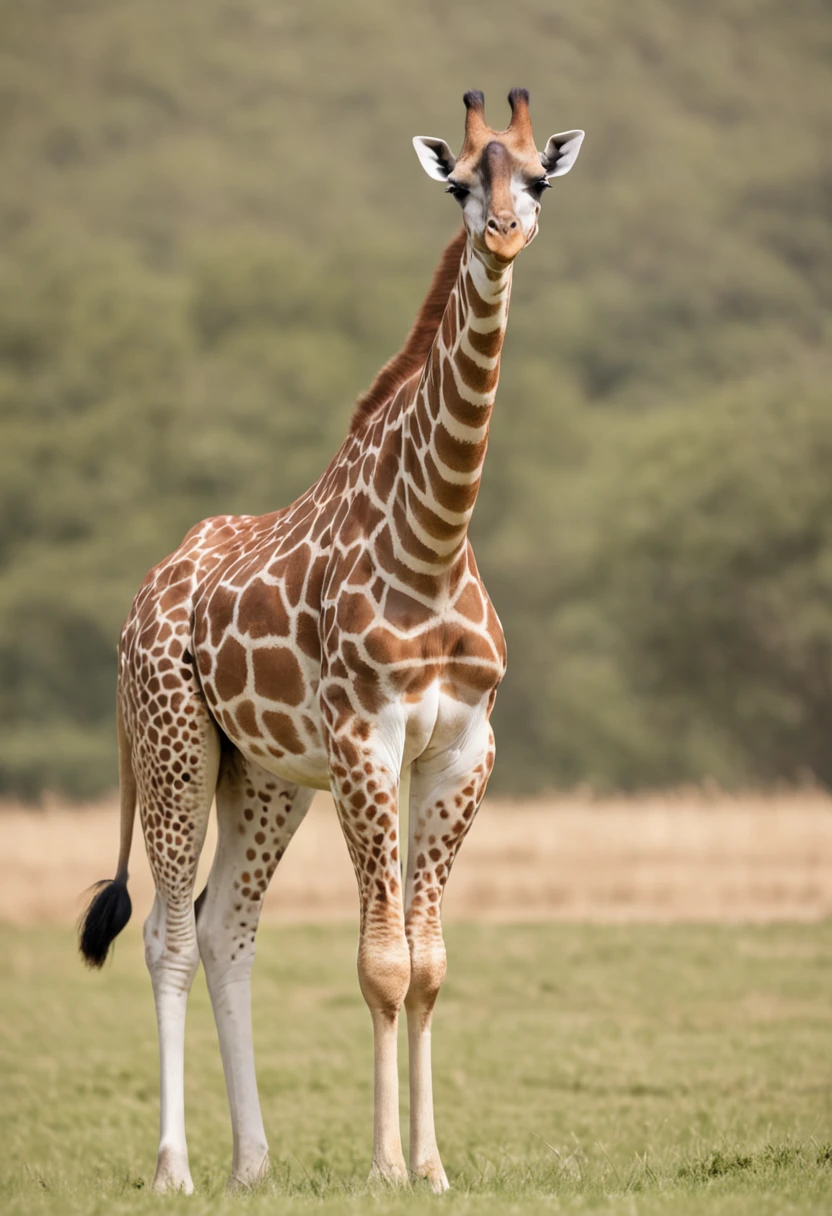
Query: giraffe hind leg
{"x": 175, "y": 754}
{"x": 257, "y": 815}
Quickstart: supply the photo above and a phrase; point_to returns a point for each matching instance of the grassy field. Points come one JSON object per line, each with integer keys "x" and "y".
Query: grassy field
{"x": 621, "y": 1069}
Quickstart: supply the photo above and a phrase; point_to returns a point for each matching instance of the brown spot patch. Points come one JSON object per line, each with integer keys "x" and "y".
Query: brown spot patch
{"x": 262, "y": 611}
{"x": 450, "y": 495}
{"x": 457, "y": 455}
{"x": 277, "y": 675}
{"x": 355, "y": 613}
{"x": 307, "y": 635}
{"x": 282, "y": 729}
{"x": 173, "y": 596}
{"x": 471, "y": 603}
{"x": 387, "y": 468}
{"x": 232, "y": 669}
{"x": 413, "y": 681}
{"x": 220, "y": 611}
{"x": 294, "y": 573}
{"x": 247, "y": 719}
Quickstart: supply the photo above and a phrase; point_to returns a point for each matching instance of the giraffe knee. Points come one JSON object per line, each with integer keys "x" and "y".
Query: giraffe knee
{"x": 384, "y": 972}
{"x": 428, "y": 965}
{"x": 170, "y": 947}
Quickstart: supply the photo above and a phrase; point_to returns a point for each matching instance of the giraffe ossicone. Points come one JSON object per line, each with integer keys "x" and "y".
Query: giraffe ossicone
{"x": 337, "y": 643}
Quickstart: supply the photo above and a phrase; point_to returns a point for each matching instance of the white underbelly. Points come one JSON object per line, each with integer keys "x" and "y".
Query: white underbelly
{"x": 310, "y": 769}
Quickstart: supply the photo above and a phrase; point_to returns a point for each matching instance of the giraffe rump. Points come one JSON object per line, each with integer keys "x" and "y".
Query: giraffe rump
{"x": 107, "y": 913}
{"x": 413, "y": 355}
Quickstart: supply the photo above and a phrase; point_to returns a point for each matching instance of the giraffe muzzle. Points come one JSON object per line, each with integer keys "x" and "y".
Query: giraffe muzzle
{"x": 504, "y": 236}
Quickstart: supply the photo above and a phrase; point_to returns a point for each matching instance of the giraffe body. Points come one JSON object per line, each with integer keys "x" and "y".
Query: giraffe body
{"x": 341, "y": 643}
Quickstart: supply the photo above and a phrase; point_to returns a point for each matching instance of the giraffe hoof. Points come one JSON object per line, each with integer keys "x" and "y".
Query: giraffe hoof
{"x": 390, "y": 1174}
{"x": 248, "y": 1178}
{"x": 435, "y": 1177}
{"x": 167, "y": 1182}
{"x": 172, "y": 1174}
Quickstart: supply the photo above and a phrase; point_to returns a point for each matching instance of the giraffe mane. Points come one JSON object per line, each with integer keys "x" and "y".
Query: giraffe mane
{"x": 413, "y": 355}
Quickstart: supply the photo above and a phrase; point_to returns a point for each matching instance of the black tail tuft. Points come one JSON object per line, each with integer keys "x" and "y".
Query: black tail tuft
{"x": 108, "y": 912}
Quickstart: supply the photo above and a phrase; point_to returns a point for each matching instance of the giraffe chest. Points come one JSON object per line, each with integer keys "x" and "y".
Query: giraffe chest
{"x": 414, "y": 693}
{"x": 288, "y": 659}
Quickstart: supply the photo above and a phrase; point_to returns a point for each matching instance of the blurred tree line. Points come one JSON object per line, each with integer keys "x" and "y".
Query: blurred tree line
{"x": 215, "y": 230}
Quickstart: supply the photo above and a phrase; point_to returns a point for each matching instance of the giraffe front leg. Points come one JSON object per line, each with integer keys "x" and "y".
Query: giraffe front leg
{"x": 443, "y": 803}
{"x": 365, "y": 788}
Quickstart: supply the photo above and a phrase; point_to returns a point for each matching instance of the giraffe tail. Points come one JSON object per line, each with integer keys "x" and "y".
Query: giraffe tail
{"x": 109, "y": 908}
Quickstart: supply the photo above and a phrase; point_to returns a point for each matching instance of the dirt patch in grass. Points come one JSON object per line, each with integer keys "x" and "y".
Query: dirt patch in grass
{"x": 679, "y": 856}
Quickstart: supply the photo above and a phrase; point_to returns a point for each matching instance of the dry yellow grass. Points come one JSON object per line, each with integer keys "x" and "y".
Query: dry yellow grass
{"x": 677, "y": 856}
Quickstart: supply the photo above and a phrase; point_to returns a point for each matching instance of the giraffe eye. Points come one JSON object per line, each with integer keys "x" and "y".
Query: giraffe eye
{"x": 460, "y": 193}
{"x": 536, "y": 188}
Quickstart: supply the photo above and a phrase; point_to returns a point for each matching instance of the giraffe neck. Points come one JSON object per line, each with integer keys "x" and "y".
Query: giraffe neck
{"x": 445, "y": 427}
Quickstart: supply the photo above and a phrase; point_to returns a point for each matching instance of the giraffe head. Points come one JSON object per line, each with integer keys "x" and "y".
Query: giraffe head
{"x": 499, "y": 176}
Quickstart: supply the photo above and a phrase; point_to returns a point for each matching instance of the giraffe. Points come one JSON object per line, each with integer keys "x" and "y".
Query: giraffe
{"x": 345, "y": 642}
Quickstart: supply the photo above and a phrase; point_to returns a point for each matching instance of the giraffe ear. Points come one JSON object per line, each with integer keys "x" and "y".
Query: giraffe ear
{"x": 561, "y": 152}
{"x": 437, "y": 158}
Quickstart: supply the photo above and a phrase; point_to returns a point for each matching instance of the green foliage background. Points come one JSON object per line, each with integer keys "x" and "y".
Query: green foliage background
{"x": 214, "y": 230}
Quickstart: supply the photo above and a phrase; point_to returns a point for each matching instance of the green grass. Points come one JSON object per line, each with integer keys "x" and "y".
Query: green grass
{"x": 578, "y": 1069}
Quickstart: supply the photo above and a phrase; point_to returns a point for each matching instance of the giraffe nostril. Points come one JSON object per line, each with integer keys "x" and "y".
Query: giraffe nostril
{"x": 501, "y": 225}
